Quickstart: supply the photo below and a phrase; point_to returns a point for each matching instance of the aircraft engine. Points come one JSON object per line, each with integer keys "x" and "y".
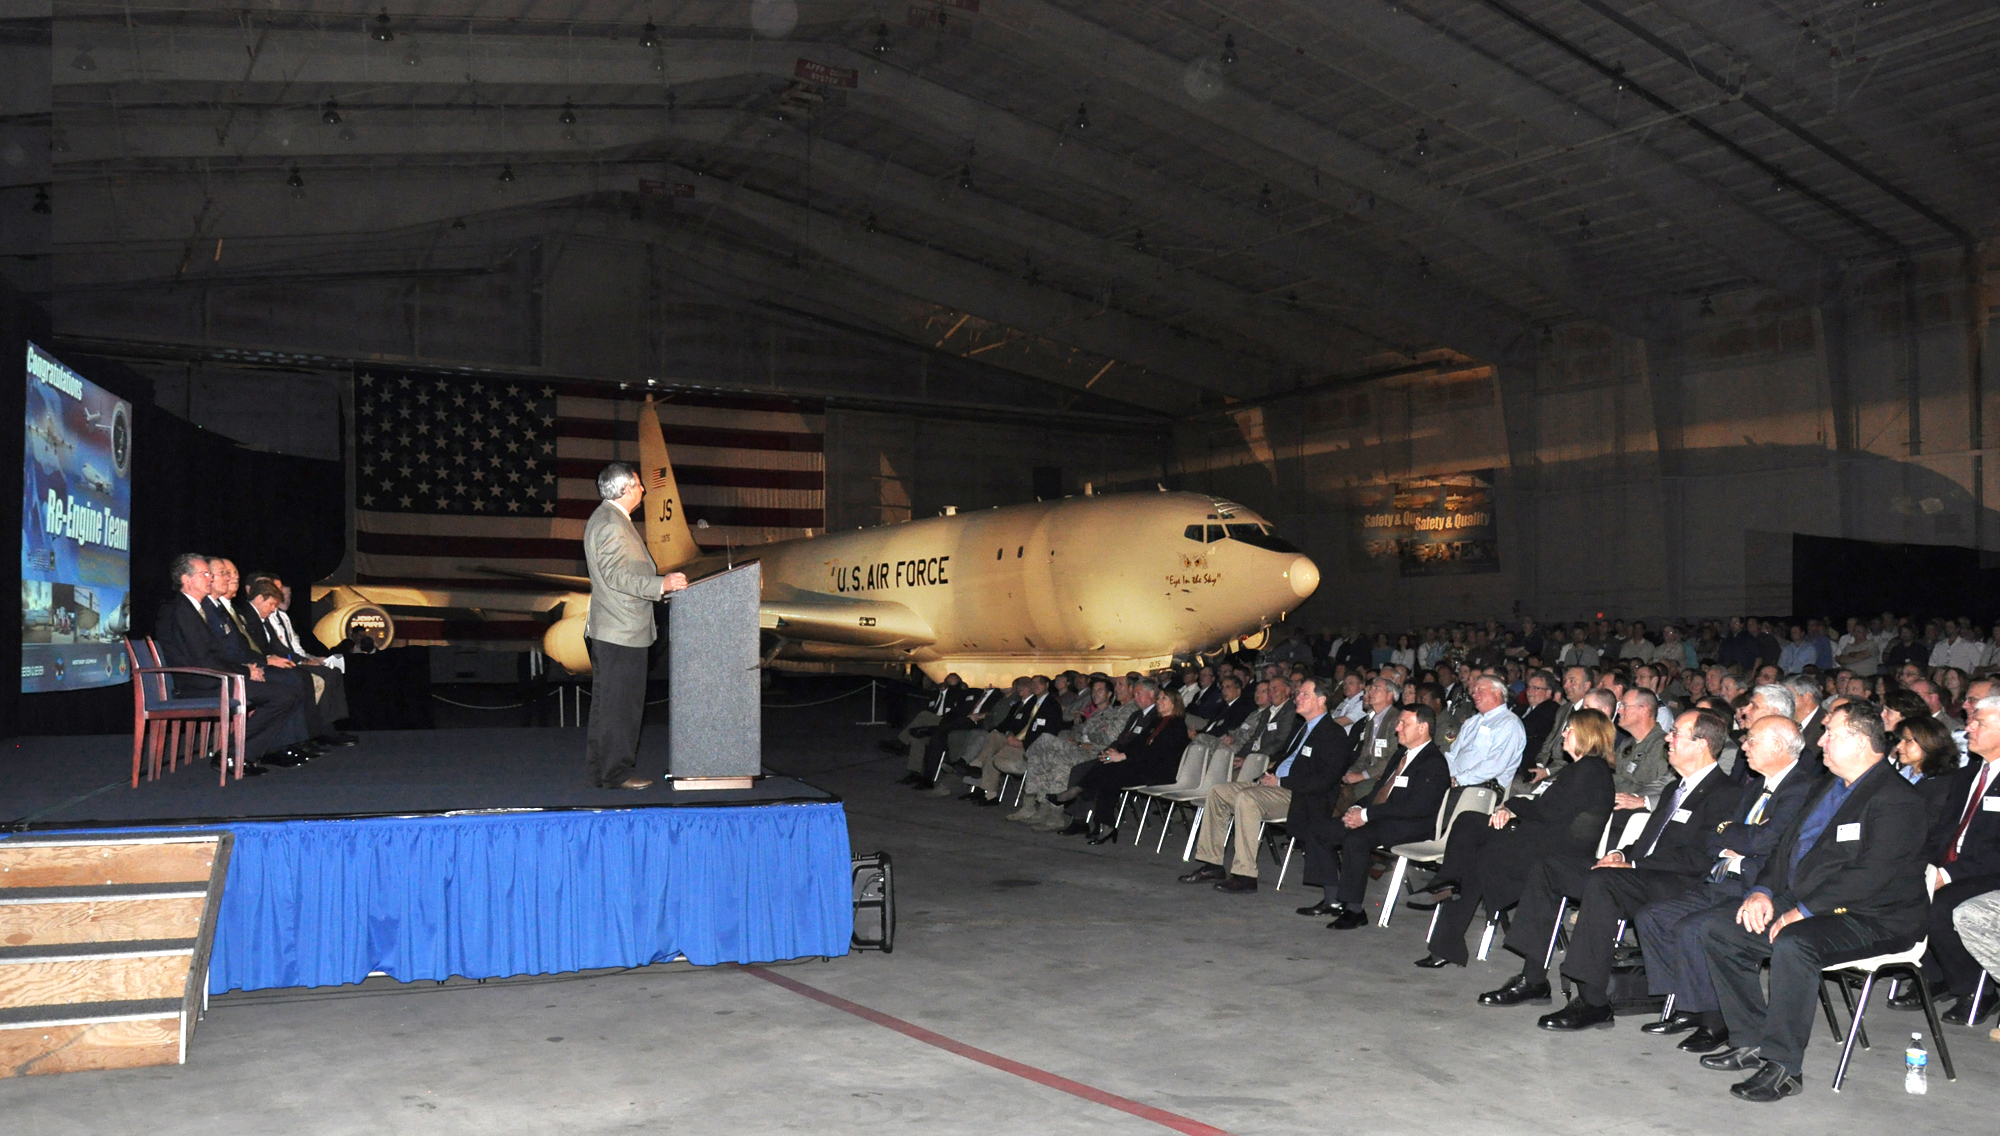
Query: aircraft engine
{"x": 563, "y": 641}
{"x": 364, "y": 627}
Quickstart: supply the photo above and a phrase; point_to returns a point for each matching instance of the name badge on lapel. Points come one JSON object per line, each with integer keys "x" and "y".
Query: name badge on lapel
{"x": 1848, "y": 831}
{"x": 1269, "y": 726}
{"x": 1402, "y": 782}
{"x": 1989, "y": 804}
{"x": 1041, "y": 721}
{"x": 1681, "y": 815}
{"x": 1631, "y": 767}
{"x": 1305, "y": 751}
{"x": 1382, "y": 747}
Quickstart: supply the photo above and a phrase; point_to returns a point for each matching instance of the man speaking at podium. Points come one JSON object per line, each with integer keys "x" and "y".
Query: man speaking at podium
{"x": 623, "y": 589}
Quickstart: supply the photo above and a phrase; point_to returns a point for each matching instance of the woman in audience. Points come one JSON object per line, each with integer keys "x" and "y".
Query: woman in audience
{"x": 1153, "y": 759}
{"x": 1486, "y": 859}
{"x": 1898, "y": 706}
{"x": 1926, "y": 756}
{"x": 1405, "y": 654}
{"x": 1951, "y": 683}
{"x": 1380, "y": 654}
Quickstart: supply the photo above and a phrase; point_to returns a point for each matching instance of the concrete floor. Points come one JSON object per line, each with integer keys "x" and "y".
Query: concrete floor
{"x": 1091, "y": 963}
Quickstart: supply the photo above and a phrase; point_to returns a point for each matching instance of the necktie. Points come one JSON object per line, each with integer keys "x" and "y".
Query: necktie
{"x": 1388, "y": 785}
{"x": 1757, "y": 810}
{"x": 216, "y": 621}
{"x": 1971, "y": 808}
{"x": 1028, "y": 723}
{"x": 1680, "y": 795}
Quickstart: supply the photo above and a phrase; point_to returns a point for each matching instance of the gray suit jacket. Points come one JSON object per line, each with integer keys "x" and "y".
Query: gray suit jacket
{"x": 623, "y": 584}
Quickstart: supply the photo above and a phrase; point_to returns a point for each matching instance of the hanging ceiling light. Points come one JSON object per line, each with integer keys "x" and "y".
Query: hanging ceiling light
{"x": 649, "y": 36}
{"x": 1618, "y": 76}
{"x": 1228, "y": 49}
{"x": 869, "y": 224}
{"x": 381, "y": 30}
{"x": 1423, "y": 143}
{"x": 1707, "y": 305}
{"x": 1082, "y": 119}
{"x": 346, "y": 133}
{"x": 568, "y": 115}
{"x": 1423, "y": 268}
{"x": 507, "y": 174}
{"x": 84, "y": 61}
{"x": 41, "y": 204}
{"x": 58, "y": 140}
{"x": 413, "y": 57}
{"x": 881, "y": 40}
{"x": 1138, "y": 240}
{"x": 1264, "y": 198}
{"x": 965, "y": 176}
{"x": 296, "y": 182}
{"x": 330, "y": 113}
{"x": 1583, "y": 226}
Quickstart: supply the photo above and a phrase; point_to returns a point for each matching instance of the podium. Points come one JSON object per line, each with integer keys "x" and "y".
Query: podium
{"x": 715, "y": 705}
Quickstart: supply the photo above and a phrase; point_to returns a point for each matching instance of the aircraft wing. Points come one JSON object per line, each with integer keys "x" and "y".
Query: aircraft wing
{"x": 570, "y": 583}
{"x": 823, "y": 618}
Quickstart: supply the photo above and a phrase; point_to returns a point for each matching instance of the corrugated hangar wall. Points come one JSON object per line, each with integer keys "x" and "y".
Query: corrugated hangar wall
{"x": 1654, "y": 476}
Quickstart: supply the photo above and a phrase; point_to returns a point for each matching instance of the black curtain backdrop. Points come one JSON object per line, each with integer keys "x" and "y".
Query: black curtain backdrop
{"x": 192, "y": 491}
{"x": 1838, "y": 578}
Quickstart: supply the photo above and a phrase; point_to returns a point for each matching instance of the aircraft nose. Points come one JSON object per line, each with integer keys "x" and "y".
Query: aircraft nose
{"x": 1304, "y": 577}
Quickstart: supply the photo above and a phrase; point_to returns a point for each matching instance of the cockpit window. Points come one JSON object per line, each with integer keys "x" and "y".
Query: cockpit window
{"x": 1214, "y": 533}
{"x": 1193, "y": 532}
{"x": 1261, "y": 536}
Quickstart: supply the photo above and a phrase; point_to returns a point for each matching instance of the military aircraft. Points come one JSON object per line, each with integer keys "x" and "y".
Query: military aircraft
{"x": 1109, "y": 582}
{"x": 95, "y": 480}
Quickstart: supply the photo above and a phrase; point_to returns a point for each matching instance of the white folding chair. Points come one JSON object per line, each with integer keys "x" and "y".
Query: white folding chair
{"x": 1214, "y": 771}
{"x": 1189, "y": 775}
{"x": 1910, "y": 960}
{"x": 1429, "y": 853}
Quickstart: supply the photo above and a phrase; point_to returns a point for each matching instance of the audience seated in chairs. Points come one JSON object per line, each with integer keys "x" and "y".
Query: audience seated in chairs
{"x": 1845, "y": 882}
{"x": 1965, "y": 850}
{"x": 1487, "y": 858}
{"x": 1669, "y": 856}
{"x": 1148, "y": 753}
{"x": 1051, "y": 758}
{"x": 1314, "y": 757}
{"x": 1037, "y": 714}
{"x": 1403, "y": 808}
{"x": 1670, "y": 930}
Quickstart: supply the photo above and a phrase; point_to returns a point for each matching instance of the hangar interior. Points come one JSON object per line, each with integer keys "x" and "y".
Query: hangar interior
{"x": 1689, "y": 276}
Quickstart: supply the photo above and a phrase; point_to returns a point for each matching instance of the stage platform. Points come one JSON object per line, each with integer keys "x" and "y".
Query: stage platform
{"x": 428, "y": 854}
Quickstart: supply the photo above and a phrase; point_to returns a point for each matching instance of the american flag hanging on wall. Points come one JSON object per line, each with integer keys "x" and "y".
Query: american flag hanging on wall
{"x": 454, "y": 473}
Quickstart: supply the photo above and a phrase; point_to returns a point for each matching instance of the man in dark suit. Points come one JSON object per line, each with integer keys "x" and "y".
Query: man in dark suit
{"x": 329, "y": 686}
{"x": 191, "y": 632}
{"x": 1544, "y": 715}
{"x": 1311, "y": 763}
{"x": 1231, "y": 709}
{"x": 1402, "y": 808}
{"x": 1670, "y": 931}
{"x": 978, "y": 708}
{"x": 1374, "y": 740}
{"x": 1845, "y": 882}
{"x": 951, "y": 694}
{"x": 1668, "y": 857}
{"x": 1208, "y": 696}
{"x": 252, "y": 642}
{"x": 1965, "y": 846}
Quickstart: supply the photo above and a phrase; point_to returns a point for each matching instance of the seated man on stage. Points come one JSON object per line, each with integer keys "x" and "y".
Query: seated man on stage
{"x": 1670, "y": 931}
{"x": 1402, "y": 808}
{"x": 1669, "y": 856}
{"x": 1051, "y": 757}
{"x": 1312, "y": 764}
{"x": 192, "y": 632}
{"x": 1006, "y": 749}
{"x": 329, "y": 686}
{"x": 1845, "y": 882}
{"x": 246, "y": 643}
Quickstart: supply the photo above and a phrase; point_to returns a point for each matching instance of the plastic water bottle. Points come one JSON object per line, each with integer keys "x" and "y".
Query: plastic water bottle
{"x": 1916, "y": 1066}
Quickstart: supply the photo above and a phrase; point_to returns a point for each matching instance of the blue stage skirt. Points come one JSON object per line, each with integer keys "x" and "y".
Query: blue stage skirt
{"x": 327, "y": 902}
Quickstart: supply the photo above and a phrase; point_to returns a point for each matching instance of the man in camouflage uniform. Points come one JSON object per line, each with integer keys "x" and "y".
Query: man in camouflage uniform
{"x": 1051, "y": 757}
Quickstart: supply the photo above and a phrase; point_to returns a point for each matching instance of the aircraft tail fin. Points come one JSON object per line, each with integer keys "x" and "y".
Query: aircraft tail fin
{"x": 667, "y": 535}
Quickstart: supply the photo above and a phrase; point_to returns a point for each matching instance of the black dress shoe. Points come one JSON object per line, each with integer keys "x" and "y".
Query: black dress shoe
{"x": 892, "y": 746}
{"x": 1517, "y": 991}
{"x": 1234, "y": 882}
{"x": 1347, "y": 920}
{"x": 1206, "y": 873}
{"x": 1704, "y": 1040}
{"x": 972, "y": 794}
{"x": 1678, "y": 1022}
{"x": 284, "y": 759}
{"x": 1578, "y": 1015}
{"x": 923, "y": 783}
{"x": 1425, "y": 900}
{"x": 1432, "y": 962}
{"x": 1771, "y": 1082}
{"x": 1076, "y": 828}
{"x": 251, "y": 769}
{"x": 1320, "y": 910}
{"x": 987, "y": 802}
{"x": 910, "y": 779}
{"x": 1960, "y": 1013}
{"x": 336, "y": 740}
{"x": 1106, "y": 836}
{"x": 1733, "y": 1060}
{"x": 1908, "y": 998}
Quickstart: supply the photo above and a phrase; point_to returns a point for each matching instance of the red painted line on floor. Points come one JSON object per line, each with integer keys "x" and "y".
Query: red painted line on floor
{"x": 1006, "y": 1065}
